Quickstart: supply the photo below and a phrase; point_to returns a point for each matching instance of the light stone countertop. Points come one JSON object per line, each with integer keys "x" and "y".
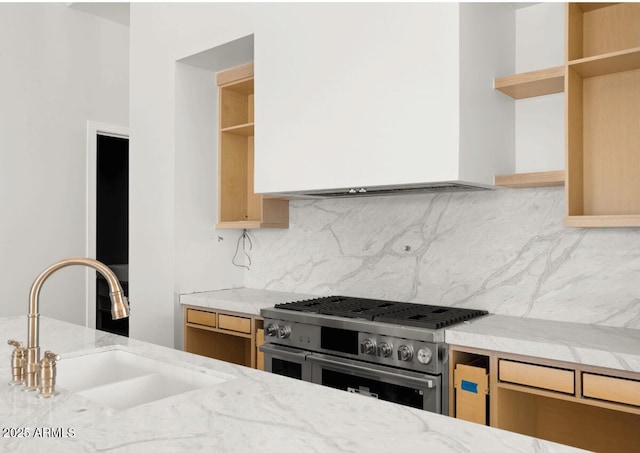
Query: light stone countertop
{"x": 588, "y": 344}
{"x": 251, "y": 411}
{"x": 610, "y": 347}
{"x": 243, "y": 300}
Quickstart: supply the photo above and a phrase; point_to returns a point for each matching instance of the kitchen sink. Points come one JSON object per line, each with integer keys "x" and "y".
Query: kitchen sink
{"x": 122, "y": 379}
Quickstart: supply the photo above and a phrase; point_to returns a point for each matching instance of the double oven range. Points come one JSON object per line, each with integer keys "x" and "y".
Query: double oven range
{"x": 393, "y": 351}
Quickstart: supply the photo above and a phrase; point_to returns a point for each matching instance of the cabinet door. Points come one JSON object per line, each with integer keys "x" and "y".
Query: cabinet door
{"x": 357, "y": 94}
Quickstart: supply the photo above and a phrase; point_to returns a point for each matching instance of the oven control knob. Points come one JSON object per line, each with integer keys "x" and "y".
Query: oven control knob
{"x": 284, "y": 332}
{"x": 385, "y": 350}
{"x": 424, "y": 355}
{"x": 271, "y": 330}
{"x": 368, "y": 347}
{"x": 405, "y": 353}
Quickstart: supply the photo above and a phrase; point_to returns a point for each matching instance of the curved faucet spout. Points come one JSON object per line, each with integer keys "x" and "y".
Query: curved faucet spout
{"x": 119, "y": 308}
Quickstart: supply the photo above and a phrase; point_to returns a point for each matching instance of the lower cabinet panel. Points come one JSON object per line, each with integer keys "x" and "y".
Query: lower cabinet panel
{"x": 218, "y": 346}
{"x": 595, "y": 409}
{"x": 571, "y": 423}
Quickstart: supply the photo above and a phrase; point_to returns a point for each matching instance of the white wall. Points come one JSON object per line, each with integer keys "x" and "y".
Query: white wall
{"x": 60, "y": 68}
{"x": 486, "y": 115}
{"x": 174, "y": 247}
{"x": 540, "y": 120}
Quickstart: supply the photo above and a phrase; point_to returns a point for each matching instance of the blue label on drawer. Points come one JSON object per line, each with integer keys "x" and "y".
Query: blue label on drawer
{"x": 469, "y": 386}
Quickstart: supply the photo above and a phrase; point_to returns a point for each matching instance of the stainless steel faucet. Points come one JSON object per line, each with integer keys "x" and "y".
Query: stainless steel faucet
{"x": 33, "y": 367}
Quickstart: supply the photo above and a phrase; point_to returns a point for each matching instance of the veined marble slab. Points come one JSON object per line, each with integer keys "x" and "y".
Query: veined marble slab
{"x": 255, "y": 411}
{"x": 505, "y": 251}
{"x": 609, "y": 347}
{"x": 243, "y": 300}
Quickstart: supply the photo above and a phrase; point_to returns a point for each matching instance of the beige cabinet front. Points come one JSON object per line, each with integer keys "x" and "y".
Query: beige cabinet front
{"x": 596, "y": 409}
{"x": 229, "y": 336}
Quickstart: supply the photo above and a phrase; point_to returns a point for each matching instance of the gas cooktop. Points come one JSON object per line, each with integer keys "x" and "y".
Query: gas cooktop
{"x": 384, "y": 311}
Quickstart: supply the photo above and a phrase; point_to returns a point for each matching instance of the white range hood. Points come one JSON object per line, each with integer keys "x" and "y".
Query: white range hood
{"x": 397, "y": 95}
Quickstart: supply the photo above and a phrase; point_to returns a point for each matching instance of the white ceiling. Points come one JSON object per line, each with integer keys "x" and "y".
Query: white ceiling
{"x": 119, "y": 11}
{"x": 116, "y": 11}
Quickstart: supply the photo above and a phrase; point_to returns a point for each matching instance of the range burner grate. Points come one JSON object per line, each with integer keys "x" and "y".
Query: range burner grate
{"x": 348, "y": 307}
{"x": 431, "y": 316}
{"x": 401, "y": 313}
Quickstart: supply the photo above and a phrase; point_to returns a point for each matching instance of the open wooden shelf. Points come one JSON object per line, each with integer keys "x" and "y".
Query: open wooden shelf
{"x": 241, "y": 129}
{"x": 534, "y": 83}
{"x": 623, "y": 60}
{"x": 535, "y": 179}
{"x": 249, "y": 224}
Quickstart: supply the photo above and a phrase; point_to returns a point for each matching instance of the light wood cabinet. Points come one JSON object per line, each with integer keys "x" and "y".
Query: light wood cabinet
{"x": 238, "y": 205}
{"x": 602, "y": 114}
{"x": 588, "y": 407}
{"x": 229, "y": 336}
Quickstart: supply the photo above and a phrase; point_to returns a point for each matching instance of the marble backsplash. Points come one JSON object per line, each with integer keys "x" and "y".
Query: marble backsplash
{"x": 505, "y": 251}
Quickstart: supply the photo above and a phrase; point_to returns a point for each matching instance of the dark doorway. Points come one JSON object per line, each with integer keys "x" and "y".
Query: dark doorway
{"x": 112, "y": 225}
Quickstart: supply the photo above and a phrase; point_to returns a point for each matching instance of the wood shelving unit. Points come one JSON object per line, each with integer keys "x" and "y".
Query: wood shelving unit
{"x": 238, "y": 205}
{"x": 534, "y": 83}
{"x": 603, "y": 115}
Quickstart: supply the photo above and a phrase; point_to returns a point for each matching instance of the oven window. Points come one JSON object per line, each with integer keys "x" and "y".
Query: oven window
{"x": 407, "y": 396}
{"x": 285, "y": 368}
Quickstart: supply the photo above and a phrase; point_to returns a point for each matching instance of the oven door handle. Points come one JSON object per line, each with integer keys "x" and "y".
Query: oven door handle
{"x": 370, "y": 372}
{"x": 284, "y": 352}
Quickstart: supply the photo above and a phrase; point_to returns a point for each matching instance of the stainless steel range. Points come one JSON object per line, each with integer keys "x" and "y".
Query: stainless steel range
{"x": 393, "y": 351}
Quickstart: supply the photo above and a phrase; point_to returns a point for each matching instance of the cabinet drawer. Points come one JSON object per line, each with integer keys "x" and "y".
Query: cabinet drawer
{"x": 538, "y": 376}
{"x": 201, "y": 317}
{"x": 235, "y": 323}
{"x": 609, "y": 388}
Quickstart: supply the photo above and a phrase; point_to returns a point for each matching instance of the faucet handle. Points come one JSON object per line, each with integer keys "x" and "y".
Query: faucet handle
{"x": 17, "y": 363}
{"x": 51, "y": 357}
{"x": 15, "y": 343}
{"x": 47, "y": 387}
